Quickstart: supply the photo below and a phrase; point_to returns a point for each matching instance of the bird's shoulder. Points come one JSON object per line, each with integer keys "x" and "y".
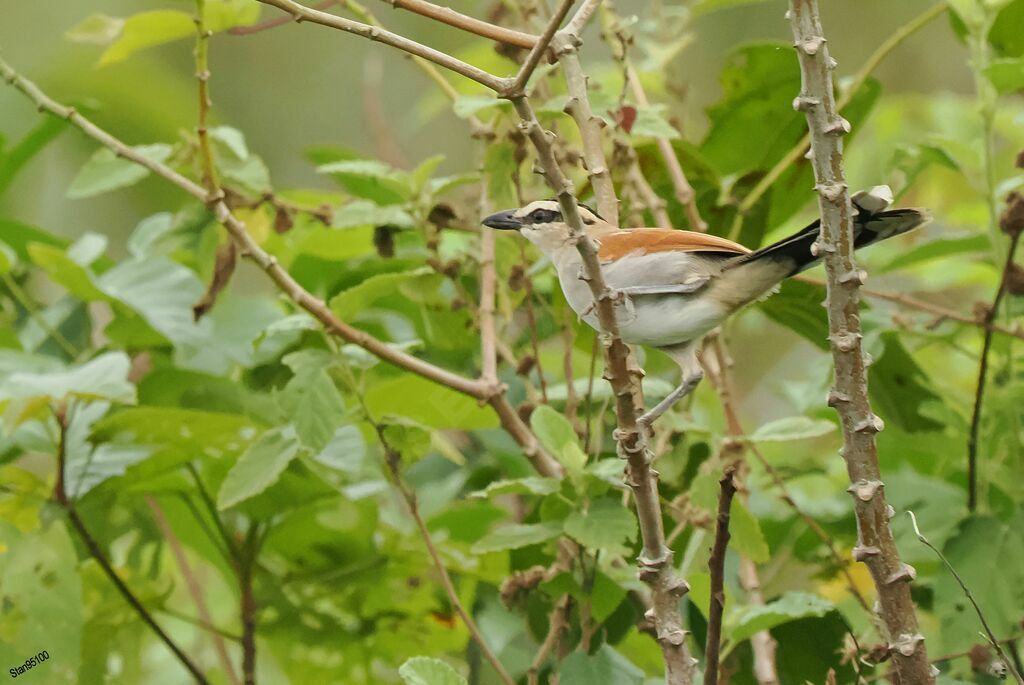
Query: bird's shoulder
{"x": 617, "y": 243}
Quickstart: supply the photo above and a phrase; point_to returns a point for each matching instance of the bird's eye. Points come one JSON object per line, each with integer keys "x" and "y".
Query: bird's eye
{"x": 544, "y": 216}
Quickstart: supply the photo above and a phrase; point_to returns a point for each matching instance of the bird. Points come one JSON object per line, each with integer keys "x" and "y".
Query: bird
{"x": 672, "y": 287}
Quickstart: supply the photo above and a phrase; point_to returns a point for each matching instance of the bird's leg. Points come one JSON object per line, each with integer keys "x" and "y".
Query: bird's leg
{"x": 690, "y": 381}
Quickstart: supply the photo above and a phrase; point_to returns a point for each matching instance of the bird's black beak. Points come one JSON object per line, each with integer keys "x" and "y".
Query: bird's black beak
{"x": 503, "y": 221}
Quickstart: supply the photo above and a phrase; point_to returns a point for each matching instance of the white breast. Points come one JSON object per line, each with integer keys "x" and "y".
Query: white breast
{"x": 654, "y": 320}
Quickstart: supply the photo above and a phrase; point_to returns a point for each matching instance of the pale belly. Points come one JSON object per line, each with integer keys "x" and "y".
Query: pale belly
{"x": 652, "y": 320}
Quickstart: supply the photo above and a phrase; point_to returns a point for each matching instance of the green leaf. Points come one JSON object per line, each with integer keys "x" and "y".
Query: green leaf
{"x": 556, "y": 434}
{"x": 146, "y": 30}
{"x": 466, "y": 106}
{"x": 792, "y": 428}
{"x": 357, "y": 298}
{"x": 501, "y": 167}
{"x": 1005, "y": 36}
{"x": 605, "y": 667}
{"x": 422, "y": 670}
{"x": 651, "y": 122}
{"x": 372, "y": 171}
{"x": 15, "y": 158}
{"x": 791, "y": 606}
{"x": 102, "y": 378}
{"x": 86, "y": 465}
{"x": 516, "y": 536}
{"x": 797, "y": 306}
{"x": 105, "y": 171}
{"x": 936, "y": 249}
{"x": 1007, "y": 75}
{"x": 366, "y": 213}
{"x": 190, "y": 432}
{"x": 605, "y": 525}
{"x": 78, "y": 280}
{"x": 259, "y": 467}
{"x": 899, "y": 388}
{"x": 99, "y": 29}
{"x": 709, "y": 6}
{"x": 221, "y": 15}
{"x": 989, "y": 556}
{"x": 530, "y": 485}
{"x": 313, "y": 402}
{"x": 754, "y": 123}
{"x": 41, "y": 596}
{"x": 8, "y": 258}
{"x": 747, "y": 537}
{"x": 411, "y": 440}
{"x": 427, "y": 403}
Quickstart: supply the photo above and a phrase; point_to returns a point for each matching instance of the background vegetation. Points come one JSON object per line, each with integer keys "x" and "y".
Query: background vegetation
{"x": 248, "y": 478}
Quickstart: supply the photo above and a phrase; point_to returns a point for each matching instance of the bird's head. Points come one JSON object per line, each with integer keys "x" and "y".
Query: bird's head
{"x": 542, "y": 223}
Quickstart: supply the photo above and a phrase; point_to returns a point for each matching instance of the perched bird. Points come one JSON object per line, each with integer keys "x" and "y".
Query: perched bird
{"x": 673, "y": 286}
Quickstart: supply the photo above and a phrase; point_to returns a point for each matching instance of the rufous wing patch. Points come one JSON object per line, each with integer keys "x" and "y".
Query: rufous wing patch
{"x": 616, "y": 244}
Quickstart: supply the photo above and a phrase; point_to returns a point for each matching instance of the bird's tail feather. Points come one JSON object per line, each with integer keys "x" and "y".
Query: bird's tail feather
{"x": 795, "y": 251}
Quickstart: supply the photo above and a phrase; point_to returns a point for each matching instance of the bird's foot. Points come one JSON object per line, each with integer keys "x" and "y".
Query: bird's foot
{"x": 685, "y": 388}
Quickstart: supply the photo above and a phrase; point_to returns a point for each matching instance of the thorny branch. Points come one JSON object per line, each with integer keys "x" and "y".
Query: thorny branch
{"x": 716, "y": 567}
{"x": 849, "y": 396}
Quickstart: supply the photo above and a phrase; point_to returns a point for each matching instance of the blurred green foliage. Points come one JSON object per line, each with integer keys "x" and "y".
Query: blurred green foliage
{"x": 253, "y": 419}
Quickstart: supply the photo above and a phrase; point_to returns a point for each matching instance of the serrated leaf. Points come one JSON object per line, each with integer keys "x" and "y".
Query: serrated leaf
{"x": 372, "y": 171}
{"x": 516, "y": 536}
{"x": 530, "y": 485}
{"x": 746, "y": 621}
{"x": 102, "y": 378}
{"x": 367, "y": 213}
{"x": 747, "y": 537}
{"x": 792, "y": 428}
{"x": 605, "y": 667}
{"x": 605, "y": 525}
{"x": 315, "y": 406}
{"x": 422, "y": 670}
{"x": 146, "y": 30}
{"x": 259, "y": 467}
{"x": 105, "y": 171}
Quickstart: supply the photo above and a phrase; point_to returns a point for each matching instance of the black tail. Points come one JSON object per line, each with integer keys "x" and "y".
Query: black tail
{"x": 795, "y": 251}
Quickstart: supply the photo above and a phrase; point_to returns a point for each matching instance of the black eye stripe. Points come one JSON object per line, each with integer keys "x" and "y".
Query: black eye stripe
{"x": 544, "y": 216}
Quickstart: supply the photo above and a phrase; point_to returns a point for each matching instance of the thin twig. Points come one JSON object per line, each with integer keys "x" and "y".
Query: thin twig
{"x": 979, "y": 395}
{"x": 515, "y": 88}
{"x": 915, "y": 303}
{"x": 250, "y": 249}
{"x": 683, "y": 190}
{"x": 194, "y": 588}
{"x": 303, "y": 13}
{"x": 566, "y": 46}
{"x": 970, "y": 597}
{"x": 716, "y": 567}
{"x": 61, "y": 497}
{"x": 849, "y": 396}
{"x": 275, "y": 22}
{"x": 393, "y": 460}
{"x": 446, "y": 15}
{"x": 247, "y": 605}
{"x": 558, "y": 623}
